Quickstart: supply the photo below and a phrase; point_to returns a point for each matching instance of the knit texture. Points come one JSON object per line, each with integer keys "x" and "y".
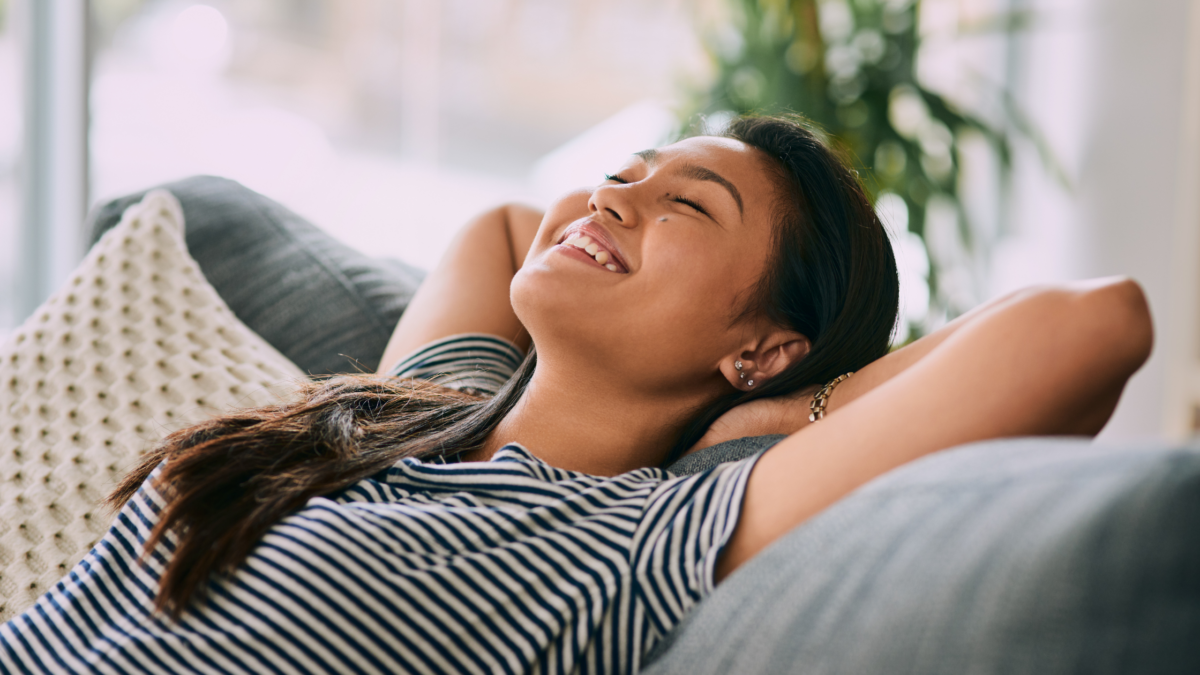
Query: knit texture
{"x": 135, "y": 345}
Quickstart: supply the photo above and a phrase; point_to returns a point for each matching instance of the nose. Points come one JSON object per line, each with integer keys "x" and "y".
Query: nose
{"x": 614, "y": 203}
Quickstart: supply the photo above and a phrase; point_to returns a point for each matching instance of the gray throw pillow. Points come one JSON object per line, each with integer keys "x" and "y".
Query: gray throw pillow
{"x": 323, "y": 305}
{"x": 1035, "y": 555}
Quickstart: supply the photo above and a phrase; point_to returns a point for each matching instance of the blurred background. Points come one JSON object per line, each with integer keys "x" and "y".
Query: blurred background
{"x": 1006, "y": 142}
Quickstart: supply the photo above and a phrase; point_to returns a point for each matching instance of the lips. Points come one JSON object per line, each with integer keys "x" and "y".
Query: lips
{"x": 590, "y": 238}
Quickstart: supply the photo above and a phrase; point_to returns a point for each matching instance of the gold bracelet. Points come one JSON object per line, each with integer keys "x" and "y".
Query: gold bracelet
{"x": 822, "y": 397}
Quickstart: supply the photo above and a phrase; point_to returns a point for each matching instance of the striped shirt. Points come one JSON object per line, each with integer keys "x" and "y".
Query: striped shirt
{"x": 509, "y": 565}
{"x": 472, "y": 362}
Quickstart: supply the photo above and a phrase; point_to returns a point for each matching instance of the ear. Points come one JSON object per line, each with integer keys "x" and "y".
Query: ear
{"x": 769, "y": 355}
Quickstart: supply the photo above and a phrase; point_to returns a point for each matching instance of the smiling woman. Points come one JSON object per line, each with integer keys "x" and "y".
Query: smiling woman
{"x": 485, "y": 506}
{"x": 690, "y": 299}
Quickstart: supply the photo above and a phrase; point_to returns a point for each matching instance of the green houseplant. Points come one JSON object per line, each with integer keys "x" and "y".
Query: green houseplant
{"x": 850, "y": 67}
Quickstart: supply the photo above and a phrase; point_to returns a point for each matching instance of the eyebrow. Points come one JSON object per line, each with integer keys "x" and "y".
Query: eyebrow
{"x": 697, "y": 172}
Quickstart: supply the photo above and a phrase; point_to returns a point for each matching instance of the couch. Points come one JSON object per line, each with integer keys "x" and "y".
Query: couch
{"x": 1032, "y": 555}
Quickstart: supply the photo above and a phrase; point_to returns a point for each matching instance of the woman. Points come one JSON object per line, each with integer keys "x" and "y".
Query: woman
{"x": 705, "y": 291}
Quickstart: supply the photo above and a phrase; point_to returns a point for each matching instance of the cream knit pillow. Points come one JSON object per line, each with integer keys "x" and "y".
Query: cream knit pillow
{"x": 135, "y": 345}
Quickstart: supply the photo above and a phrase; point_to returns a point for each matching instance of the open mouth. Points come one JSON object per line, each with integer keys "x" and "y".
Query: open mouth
{"x": 595, "y": 248}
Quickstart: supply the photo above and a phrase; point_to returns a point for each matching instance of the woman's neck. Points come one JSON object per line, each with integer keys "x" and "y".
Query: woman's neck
{"x": 588, "y": 425}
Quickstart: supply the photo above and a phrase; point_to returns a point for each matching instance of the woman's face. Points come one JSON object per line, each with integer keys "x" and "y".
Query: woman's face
{"x": 676, "y": 241}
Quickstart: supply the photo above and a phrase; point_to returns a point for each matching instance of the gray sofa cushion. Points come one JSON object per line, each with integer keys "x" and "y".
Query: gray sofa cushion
{"x": 325, "y": 306}
{"x": 1024, "y": 556}
{"x": 729, "y": 451}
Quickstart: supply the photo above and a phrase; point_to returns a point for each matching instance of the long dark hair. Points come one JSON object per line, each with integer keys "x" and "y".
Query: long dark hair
{"x": 831, "y": 276}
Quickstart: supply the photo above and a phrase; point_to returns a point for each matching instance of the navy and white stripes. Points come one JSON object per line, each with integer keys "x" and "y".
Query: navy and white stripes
{"x": 502, "y": 566}
{"x": 472, "y": 362}
{"x": 509, "y": 565}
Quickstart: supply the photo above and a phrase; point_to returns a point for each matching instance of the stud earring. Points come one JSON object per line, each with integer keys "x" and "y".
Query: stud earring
{"x": 737, "y": 365}
{"x": 750, "y": 383}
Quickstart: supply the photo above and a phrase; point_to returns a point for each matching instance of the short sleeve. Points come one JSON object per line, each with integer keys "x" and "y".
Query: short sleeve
{"x": 474, "y": 362}
{"x": 686, "y": 524}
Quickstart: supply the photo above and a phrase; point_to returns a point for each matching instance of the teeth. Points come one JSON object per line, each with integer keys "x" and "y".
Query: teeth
{"x": 593, "y": 249}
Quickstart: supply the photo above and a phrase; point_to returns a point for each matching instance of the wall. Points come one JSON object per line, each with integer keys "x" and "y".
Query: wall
{"x": 1128, "y": 187}
{"x": 1106, "y": 79}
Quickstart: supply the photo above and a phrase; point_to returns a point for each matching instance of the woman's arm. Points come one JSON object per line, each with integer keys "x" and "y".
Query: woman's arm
{"x": 468, "y": 291}
{"x": 786, "y": 415}
{"x": 1038, "y": 363}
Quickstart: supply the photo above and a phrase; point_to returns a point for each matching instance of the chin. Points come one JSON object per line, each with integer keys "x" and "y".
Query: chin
{"x": 557, "y": 309}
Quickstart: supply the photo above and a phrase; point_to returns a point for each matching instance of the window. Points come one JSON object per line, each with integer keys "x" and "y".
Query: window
{"x": 388, "y": 122}
{"x": 10, "y": 135}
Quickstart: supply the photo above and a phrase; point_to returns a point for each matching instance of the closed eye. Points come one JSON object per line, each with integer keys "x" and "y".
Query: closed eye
{"x": 617, "y": 178}
{"x": 694, "y": 205}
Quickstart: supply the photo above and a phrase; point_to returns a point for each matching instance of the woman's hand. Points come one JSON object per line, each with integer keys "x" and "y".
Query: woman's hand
{"x": 777, "y": 415}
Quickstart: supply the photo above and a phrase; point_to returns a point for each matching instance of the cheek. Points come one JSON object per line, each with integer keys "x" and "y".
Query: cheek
{"x": 686, "y": 307}
{"x": 700, "y": 292}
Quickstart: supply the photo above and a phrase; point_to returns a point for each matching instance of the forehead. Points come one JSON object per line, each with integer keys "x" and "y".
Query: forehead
{"x": 713, "y": 146}
{"x": 714, "y": 151}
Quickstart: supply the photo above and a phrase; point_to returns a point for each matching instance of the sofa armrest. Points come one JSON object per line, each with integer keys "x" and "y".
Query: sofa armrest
{"x": 1022, "y": 556}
